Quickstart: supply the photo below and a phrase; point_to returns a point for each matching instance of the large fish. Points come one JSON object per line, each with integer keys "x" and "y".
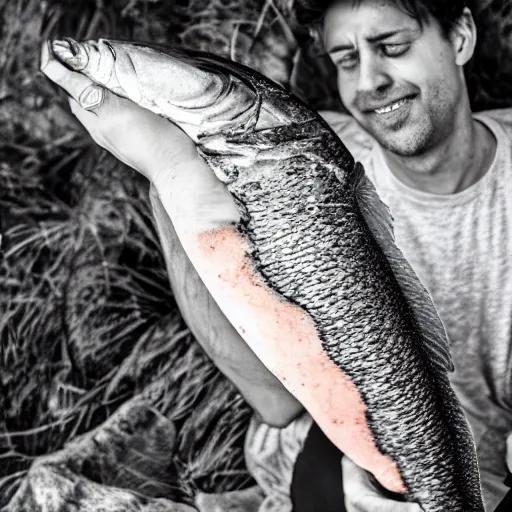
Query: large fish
{"x": 310, "y": 276}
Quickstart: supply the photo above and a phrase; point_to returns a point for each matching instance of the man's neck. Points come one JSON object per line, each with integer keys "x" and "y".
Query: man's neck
{"x": 451, "y": 166}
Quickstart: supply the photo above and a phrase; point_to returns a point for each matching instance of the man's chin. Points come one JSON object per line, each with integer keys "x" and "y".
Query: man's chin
{"x": 404, "y": 142}
{"x": 402, "y": 147}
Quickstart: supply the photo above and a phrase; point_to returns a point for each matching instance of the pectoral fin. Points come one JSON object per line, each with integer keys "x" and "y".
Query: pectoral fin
{"x": 380, "y": 222}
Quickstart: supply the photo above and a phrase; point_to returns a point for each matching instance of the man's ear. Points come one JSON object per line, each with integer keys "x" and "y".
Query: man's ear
{"x": 463, "y": 37}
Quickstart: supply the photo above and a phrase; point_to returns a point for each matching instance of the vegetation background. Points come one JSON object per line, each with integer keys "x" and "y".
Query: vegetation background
{"x": 87, "y": 319}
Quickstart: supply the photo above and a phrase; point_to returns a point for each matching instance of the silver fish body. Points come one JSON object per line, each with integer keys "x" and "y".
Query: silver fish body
{"x": 320, "y": 238}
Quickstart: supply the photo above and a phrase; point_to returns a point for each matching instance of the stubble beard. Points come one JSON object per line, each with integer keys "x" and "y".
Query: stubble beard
{"x": 419, "y": 136}
{"x": 414, "y": 139}
{"x": 407, "y": 143}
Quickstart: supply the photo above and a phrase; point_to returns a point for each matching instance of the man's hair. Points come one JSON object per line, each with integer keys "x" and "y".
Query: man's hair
{"x": 446, "y": 12}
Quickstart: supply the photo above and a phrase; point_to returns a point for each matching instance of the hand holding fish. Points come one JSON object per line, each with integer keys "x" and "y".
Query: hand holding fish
{"x": 362, "y": 496}
{"x": 167, "y": 156}
{"x": 144, "y": 141}
{"x": 304, "y": 265}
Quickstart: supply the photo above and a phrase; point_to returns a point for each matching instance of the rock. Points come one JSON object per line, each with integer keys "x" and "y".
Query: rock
{"x": 123, "y": 465}
{"x": 55, "y": 488}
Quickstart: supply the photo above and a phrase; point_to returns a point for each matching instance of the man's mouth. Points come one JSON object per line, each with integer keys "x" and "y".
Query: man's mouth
{"x": 392, "y": 106}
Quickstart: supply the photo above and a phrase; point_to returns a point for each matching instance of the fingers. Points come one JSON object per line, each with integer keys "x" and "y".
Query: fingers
{"x": 362, "y": 496}
{"x": 116, "y": 124}
{"x": 85, "y": 96}
{"x": 81, "y": 90}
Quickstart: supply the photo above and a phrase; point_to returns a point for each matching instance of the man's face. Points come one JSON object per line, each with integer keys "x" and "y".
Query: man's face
{"x": 398, "y": 79}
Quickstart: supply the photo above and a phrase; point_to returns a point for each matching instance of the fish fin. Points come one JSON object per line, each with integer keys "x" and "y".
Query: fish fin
{"x": 380, "y": 222}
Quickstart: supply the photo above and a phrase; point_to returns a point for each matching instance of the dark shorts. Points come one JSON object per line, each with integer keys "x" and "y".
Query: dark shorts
{"x": 506, "y": 503}
{"x": 317, "y": 484}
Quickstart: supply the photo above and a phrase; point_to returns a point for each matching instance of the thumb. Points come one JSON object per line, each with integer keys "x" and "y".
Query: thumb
{"x": 362, "y": 496}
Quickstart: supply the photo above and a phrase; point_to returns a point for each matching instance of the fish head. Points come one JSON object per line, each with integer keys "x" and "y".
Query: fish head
{"x": 186, "y": 87}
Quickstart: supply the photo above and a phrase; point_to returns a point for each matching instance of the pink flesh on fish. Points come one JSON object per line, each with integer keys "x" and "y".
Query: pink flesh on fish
{"x": 285, "y": 337}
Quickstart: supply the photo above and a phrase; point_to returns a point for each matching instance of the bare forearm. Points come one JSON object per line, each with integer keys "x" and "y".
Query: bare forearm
{"x": 233, "y": 357}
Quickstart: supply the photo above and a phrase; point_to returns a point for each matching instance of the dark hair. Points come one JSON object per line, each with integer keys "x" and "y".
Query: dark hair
{"x": 446, "y": 12}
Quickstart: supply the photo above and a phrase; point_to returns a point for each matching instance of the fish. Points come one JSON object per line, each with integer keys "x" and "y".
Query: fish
{"x": 309, "y": 274}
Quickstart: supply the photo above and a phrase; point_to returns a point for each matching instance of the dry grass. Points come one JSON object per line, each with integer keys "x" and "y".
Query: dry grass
{"x": 87, "y": 318}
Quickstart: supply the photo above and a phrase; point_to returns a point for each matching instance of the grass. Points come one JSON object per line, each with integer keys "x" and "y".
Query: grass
{"x": 87, "y": 319}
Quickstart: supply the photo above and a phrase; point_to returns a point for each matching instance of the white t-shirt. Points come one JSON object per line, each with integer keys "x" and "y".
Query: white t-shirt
{"x": 460, "y": 246}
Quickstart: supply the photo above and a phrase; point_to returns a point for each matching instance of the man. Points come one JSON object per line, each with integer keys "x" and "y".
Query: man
{"x": 443, "y": 173}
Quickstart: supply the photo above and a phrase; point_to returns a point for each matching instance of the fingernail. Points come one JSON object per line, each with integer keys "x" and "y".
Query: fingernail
{"x": 92, "y": 96}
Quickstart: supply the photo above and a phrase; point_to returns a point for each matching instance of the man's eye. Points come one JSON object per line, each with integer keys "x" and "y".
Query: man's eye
{"x": 395, "y": 50}
{"x": 349, "y": 62}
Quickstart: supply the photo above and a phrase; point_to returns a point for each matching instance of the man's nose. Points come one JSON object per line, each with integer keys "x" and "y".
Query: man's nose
{"x": 373, "y": 75}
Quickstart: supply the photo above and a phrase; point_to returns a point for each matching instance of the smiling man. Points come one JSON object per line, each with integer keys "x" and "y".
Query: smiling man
{"x": 400, "y": 75}
{"x": 446, "y": 175}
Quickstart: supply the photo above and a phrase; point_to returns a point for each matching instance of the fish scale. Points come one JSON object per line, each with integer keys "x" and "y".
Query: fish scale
{"x": 310, "y": 276}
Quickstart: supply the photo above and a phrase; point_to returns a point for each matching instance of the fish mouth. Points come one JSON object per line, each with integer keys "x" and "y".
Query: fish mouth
{"x": 71, "y": 53}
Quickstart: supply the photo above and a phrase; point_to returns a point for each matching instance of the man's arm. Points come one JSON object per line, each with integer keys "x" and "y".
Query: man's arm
{"x": 232, "y": 356}
{"x": 153, "y": 146}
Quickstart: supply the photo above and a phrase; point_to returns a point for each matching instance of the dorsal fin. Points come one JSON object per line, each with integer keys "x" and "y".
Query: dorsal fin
{"x": 380, "y": 222}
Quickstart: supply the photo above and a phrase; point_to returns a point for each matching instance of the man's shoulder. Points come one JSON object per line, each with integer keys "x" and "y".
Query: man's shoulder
{"x": 357, "y": 140}
{"x": 502, "y": 116}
